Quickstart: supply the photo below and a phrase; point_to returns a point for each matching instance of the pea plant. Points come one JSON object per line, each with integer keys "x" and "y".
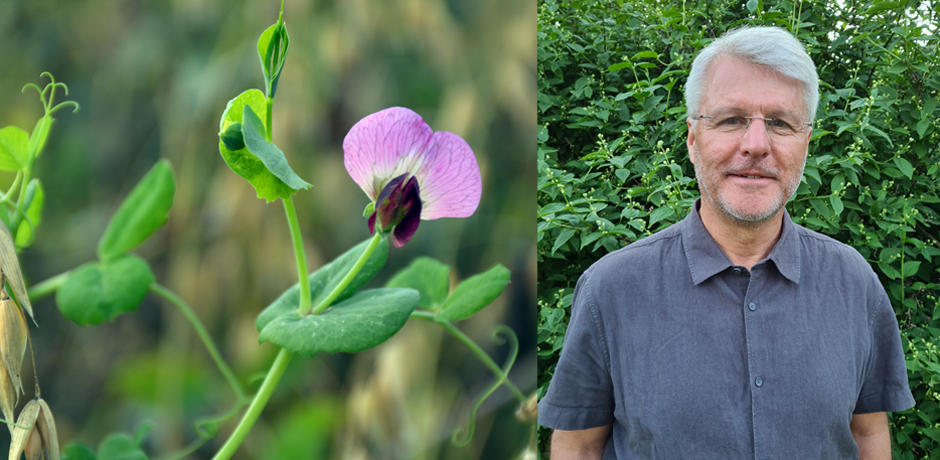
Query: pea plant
{"x": 409, "y": 174}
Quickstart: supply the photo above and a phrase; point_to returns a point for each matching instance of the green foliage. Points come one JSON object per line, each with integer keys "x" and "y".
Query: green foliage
{"x": 365, "y": 320}
{"x": 474, "y": 294}
{"x": 272, "y": 157}
{"x": 613, "y": 167}
{"x": 428, "y": 277}
{"x": 327, "y": 278}
{"x": 356, "y": 321}
{"x": 99, "y": 291}
{"x": 259, "y": 162}
{"x": 142, "y": 212}
{"x": 14, "y": 148}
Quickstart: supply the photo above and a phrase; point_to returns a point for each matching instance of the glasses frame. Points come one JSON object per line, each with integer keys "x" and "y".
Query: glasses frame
{"x": 767, "y": 121}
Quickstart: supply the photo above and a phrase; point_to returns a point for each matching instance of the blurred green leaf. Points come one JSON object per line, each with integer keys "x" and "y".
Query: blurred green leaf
{"x": 272, "y": 157}
{"x": 428, "y": 277}
{"x": 142, "y": 212}
{"x": 14, "y": 149}
{"x": 879, "y": 7}
{"x": 358, "y": 323}
{"x": 77, "y": 451}
{"x": 905, "y": 166}
{"x": 96, "y": 292}
{"x": 324, "y": 280}
{"x": 33, "y": 203}
{"x": 474, "y": 294}
{"x": 120, "y": 447}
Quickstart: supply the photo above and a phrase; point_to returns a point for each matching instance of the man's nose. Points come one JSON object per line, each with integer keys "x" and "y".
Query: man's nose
{"x": 756, "y": 139}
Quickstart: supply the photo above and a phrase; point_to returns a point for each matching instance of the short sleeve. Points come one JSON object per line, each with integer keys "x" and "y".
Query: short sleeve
{"x": 580, "y": 395}
{"x": 885, "y": 386}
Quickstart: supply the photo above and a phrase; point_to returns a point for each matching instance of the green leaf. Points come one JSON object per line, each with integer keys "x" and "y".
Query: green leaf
{"x": 33, "y": 203}
{"x": 142, "y": 212}
{"x": 662, "y": 213}
{"x": 905, "y": 166}
{"x": 911, "y": 267}
{"x": 620, "y": 66}
{"x": 751, "y": 5}
{"x": 878, "y": 7}
{"x": 563, "y": 238}
{"x": 14, "y": 149}
{"x": 243, "y": 162}
{"x": 37, "y": 140}
{"x": 820, "y": 206}
{"x": 272, "y": 157}
{"x": 428, "y": 277}
{"x": 836, "y": 203}
{"x": 76, "y": 451}
{"x": 324, "y": 280}
{"x": 358, "y": 323}
{"x": 96, "y": 292}
{"x": 120, "y": 447}
{"x": 922, "y": 126}
{"x": 474, "y": 293}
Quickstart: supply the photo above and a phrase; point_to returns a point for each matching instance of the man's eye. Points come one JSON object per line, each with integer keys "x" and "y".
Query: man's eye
{"x": 779, "y": 124}
{"x": 732, "y": 121}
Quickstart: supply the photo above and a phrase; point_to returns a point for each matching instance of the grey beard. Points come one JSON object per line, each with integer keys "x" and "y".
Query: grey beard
{"x": 750, "y": 220}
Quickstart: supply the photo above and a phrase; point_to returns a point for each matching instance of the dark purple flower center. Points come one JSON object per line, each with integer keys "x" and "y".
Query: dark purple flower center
{"x": 398, "y": 206}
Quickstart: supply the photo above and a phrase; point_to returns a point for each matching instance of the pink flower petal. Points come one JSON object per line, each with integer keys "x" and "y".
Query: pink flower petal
{"x": 384, "y": 145}
{"x": 449, "y": 178}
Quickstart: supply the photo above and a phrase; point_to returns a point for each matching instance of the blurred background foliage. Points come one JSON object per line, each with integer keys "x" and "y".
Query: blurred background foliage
{"x": 613, "y": 165}
{"x": 152, "y": 78}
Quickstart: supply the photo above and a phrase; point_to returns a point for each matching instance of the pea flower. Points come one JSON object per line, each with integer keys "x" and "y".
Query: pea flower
{"x": 410, "y": 172}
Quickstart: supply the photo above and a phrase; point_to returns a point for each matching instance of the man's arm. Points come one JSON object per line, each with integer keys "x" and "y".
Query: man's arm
{"x": 872, "y": 436}
{"x": 581, "y": 444}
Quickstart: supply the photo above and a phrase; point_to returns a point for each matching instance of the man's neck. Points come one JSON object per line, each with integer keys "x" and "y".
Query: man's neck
{"x": 745, "y": 245}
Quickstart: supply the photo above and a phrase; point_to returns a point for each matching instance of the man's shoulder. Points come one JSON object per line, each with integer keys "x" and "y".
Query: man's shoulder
{"x": 827, "y": 252}
{"x": 639, "y": 255}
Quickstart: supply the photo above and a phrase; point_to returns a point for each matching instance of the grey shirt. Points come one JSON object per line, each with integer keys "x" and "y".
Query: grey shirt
{"x": 689, "y": 356}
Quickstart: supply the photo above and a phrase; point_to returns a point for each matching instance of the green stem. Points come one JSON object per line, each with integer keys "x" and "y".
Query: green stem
{"x": 204, "y": 336}
{"x": 299, "y": 254}
{"x": 349, "y": 276}
{"x": 257, "y": 405}
{"x": 47, "y": 287}
{"x": 283, "y": 358}
{"x": 469, "y": 343}
{"x": 270, "y": 131}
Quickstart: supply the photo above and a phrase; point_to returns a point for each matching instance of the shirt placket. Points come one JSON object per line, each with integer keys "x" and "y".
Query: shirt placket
{"x": 756, "y": 366}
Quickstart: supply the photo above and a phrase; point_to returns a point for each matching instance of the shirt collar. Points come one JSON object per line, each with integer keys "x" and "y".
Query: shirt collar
{"x": 706, "y": 259}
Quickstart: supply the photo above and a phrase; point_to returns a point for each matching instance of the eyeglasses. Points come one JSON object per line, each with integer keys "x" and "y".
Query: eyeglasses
{"x": 779, "y": 129}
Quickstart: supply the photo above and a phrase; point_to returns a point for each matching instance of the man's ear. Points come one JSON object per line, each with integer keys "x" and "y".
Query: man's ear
{"x": 690, "y": 141}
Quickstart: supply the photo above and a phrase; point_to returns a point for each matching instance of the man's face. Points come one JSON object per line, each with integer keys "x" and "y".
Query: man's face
{"x": 748, "y": 177}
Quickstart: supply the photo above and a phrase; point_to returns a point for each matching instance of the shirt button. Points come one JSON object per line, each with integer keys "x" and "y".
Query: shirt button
{"x": 759, "y": 381}
{"x": 736, "y": 270}
{"x": 752, "y": 306}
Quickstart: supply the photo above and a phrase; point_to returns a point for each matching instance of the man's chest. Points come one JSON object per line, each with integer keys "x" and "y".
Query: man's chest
{"x": 735, "y": 362}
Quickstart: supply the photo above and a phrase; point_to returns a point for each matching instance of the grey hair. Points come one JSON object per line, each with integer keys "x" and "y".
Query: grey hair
{"x": 766, "y": 46}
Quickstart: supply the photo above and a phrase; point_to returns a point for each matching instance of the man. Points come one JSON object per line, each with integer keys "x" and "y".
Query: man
{"x": 734, "y": 333}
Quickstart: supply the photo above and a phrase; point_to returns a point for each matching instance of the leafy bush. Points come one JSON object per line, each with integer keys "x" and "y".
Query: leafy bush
{"x": 613, "y": 167}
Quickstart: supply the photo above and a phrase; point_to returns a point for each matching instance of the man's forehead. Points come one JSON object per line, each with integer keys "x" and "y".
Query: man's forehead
{"x": 734, "y": 84}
